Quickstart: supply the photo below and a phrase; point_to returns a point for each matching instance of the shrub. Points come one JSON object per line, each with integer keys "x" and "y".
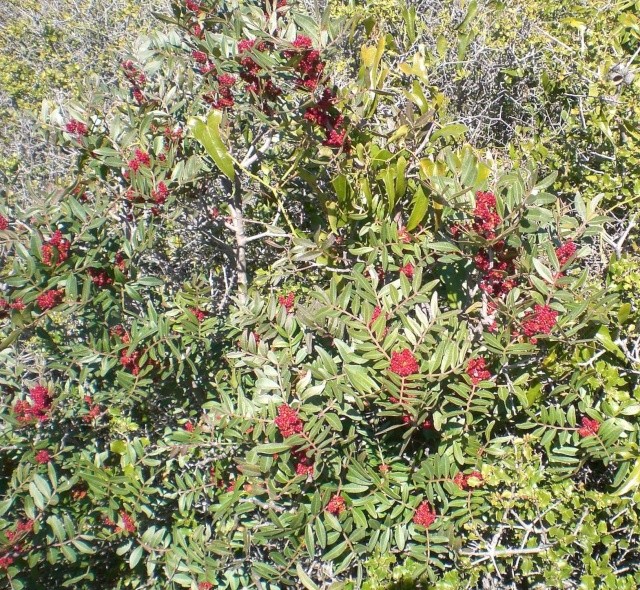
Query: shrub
{"x": 187, "y": 405}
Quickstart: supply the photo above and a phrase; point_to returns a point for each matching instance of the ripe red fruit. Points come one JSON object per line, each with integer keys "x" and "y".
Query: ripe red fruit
{"x": 540, "y": 321}
{"x": 287, "y": 301}
{"x": 288, "y": 421}
{"x": 336, "y": 505}
{"x": 76, "y": 127}
{"x": 477, "y": 370}
{"x": 565, "y": 252}
{"x": 424, "y": 515}
{"x": 43, "y": 457}
{"x": 50, "y": 299}
{"x": 589, "y": 427}
{"x": 486, "y": 215}
{"x": 404, "y": 363}
{"x": 407, "y": 270}
{"x": 128, "y": 522}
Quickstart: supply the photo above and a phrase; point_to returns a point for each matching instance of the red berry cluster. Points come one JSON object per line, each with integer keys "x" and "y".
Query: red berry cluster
{"x": 251, "y": 70}
{"x": 75, "y": 127}
{"x": 50, "y": 299}
{"x": 193, "y": 5}
{"x": 404, "y": 363}
{"x": 477, "y": 370}
{"x": 199, "y": 56}
{"x": 56, "y": 244}
{"x": 472, "y": 480}
{"x": 336, "y": 505}
{"x": 128, "y": 523}
{"x": 37, "y": 408}
{"x": 200, "y": 314}
{"x": 137, "y": 79}
{"x": 409, "y": 421}
{"x": 94, "y": 410}
{"x": 224, "y": 97}
{"x": 206, "y": 65}
{"x": 4, "y": 223}
{"x": 6, "y": 560}
{"x": 325, "y": 115}
{"x": 22, "y": 528}
{"x": 100, "y": 277}
{"x": 5, "y": 306}
{"x": 486, "y": 216}
{"x": 173, "y": 135}
{"x": 565, "y": 252}
{"x": 288, "y": 421}
{"x": 308, "y": 65}
{"x": 497, "y": 265}
{"x": 138, "y": 95}
{"x": 424, "y": 515}
{"x": 131, "y": 362}
{"x": 540, "y": 321}
{"x": 43, "y": 457}
{"x": 121, "y": 333}
{"x": 159, "y": 195}
{"x": 589, "y": 427}
{"x": 141, "y": 158}
{"x": 287, "y": 301}
{"x": 407, "y": 270}
{"x": 120, "y": 262}
{"x": 304, "y": 464}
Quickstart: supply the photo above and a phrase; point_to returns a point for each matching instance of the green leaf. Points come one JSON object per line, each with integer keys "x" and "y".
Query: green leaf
{"x": 271, "y": 448}
{"x": 632, "y": 481}
{"x": 543, "y": 271}
{"x": 150, "y": 281}
{"x": 305, "y": 580}
{"x": 118, "y": 446}
{"x": 208, "y": 134}
{"x": 308, "y": 539}
{"x": 420, "y": 205}
{"x": 623, "y": 313}
{"x": 10, "y": 339}
{"x": 334, "y": 421}
{"x": 56, "y": 527}
{"x": 135, "y": 556}
{"x": 43, "y": 485}
{"x": 452, "y": 130}
{"x": 604, "y": 337}
{"x": 359, "y": 378}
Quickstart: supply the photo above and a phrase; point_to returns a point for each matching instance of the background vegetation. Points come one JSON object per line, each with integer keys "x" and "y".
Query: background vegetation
{"x": 352, "y": 305}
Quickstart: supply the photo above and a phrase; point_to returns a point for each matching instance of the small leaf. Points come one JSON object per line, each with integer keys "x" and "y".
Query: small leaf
{"x": 305, "y": 580}
{"x": 632, "y": 481}
{"x": 359, "y": 378}
{"x": 420, "y": 205}
{"x": 543, "y": 271}
{"x": 135, "y": 556}
{"x": 452, "y": 130}
{"x": 150, "y": 281}
{"x": 271, "y": 448}
{"x": 334, "y": 421}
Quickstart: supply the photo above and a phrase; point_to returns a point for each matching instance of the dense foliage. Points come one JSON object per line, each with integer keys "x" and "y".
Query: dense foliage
{"x": 283, "y": 326}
